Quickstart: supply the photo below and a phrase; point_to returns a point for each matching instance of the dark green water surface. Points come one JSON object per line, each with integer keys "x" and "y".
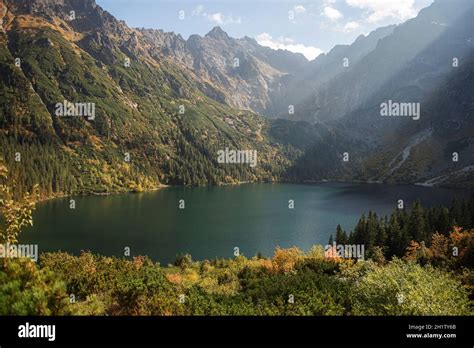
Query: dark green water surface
{"x": 253, "y": 217}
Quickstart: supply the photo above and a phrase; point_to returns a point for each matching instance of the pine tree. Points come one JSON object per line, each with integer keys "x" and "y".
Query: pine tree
{"x": 416, "y": 224}
{"x": 442, "y": 224}
{"x": 381, "y": 235}
{"x": 455, "y": 212}
{"x": 465, "y": 220}
{"x": 359, "y": 231}
{"x": 345, "y": 239}
{"x": 371, "y": 230}
{"x": 395, "y": 246}
{"x": 339, "y": 237}
{"x": 331, "y": 241}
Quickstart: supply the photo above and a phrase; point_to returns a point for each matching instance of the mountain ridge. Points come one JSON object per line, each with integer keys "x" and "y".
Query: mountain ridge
{"x": 139, "y": 137}
{"x": 219, "y": 83}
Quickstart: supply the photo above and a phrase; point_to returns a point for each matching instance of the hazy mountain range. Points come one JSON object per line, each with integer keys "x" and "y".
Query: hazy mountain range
{"x": 164, "y": 105}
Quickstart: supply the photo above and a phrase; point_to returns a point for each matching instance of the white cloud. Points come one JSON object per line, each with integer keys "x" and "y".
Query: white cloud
{"x": 299, "y": 9}
{"x": 378, "y": 10}
{"x": 309, "y": 52}
{"x": 351, "y": 26}
{"x": 198, "y": 11}
{"x": 332, "y": 13}
{"x": 218, "y": 18}
{"x": 222, "y": 19}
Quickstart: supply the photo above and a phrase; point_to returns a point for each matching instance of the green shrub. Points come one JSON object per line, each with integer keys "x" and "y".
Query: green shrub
{"x": 406, "y": 288}
{"x": 26, "y": 289}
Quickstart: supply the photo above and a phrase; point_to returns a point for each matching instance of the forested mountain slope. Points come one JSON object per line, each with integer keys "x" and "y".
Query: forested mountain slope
{"x": 153, "y": 123}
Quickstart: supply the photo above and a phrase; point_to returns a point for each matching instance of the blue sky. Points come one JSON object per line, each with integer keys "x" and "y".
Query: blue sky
{"x": 308, "y": 27}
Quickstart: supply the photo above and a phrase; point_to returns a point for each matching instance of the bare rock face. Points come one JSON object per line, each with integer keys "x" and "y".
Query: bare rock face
{"x": 238, "y": 72}
{"x": 245, "y": 71}
{"x": 166, "y": 44}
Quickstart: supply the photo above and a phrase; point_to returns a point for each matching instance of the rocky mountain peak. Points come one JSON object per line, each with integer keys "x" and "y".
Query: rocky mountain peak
{"x": 217, "y": 33}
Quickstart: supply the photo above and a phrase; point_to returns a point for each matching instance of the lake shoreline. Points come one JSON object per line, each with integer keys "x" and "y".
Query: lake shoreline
{"x": 304, "y": 182}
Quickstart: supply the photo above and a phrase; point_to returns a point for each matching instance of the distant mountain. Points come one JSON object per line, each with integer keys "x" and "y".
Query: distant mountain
{"x": 238, "y": 72}
{"x": 243, "y": 70}
{"x": 411, "y": 61}
{"x": 439, "y": 149}
{"x": 299, "y": 88}
{"x": 426, "y": 60}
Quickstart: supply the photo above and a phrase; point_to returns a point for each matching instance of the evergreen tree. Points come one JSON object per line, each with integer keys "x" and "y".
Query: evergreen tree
{"x": 416, "y": 224}
{"x": 339, "y": 235}
{"x": 394, "y": 233}
{"x": 442, "y": 223}
{"x": 359, "y": 231}
{"x": 345, "y": 239}
{"x": 371, "y": 230}
{"x": 381, "y": 235}
{"x": 465, "y": 220}
{"x": 455, "y": 212}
